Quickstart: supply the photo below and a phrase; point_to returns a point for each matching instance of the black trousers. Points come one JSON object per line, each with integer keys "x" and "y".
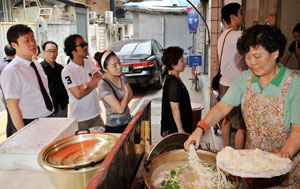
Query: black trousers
{"x": 11, "y": 129}
{"x": 115, "y": 129}
{"x": 27, "y": 121}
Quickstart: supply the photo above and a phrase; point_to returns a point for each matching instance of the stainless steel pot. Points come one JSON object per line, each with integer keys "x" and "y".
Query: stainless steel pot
{"x": 172, "y": 156}
{"x": 171, "y": 142}
{"x": 72, "y": 161}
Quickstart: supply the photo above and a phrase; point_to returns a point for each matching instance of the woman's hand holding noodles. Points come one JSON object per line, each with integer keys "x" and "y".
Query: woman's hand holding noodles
{"x": 193, "y": 139}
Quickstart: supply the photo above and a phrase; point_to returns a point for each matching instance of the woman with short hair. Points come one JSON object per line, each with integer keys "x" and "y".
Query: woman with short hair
{"x": 176, "y": 105}
{"x": 269, "y": 96}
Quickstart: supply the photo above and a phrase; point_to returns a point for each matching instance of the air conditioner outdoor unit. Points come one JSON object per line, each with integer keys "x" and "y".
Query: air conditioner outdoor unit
{"x": 92, "y": 15}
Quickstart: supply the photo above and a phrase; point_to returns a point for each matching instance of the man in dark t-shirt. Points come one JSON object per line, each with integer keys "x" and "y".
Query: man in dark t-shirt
{"x": 294, "y": 47}
{"x": 53, "y": 70}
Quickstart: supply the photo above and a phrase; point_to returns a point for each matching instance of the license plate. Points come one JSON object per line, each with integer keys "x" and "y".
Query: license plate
{"x": 131, "y": 80}
{"x": 125, "y": 68}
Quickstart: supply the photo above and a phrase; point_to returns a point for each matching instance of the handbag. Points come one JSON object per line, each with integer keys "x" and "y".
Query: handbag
{"x": 216, "y": 80}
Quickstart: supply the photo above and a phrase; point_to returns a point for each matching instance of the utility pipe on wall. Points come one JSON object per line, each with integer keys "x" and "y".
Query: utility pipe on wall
{"x": 24, "y": 4}
{"x": 113, "y": 7}
{"x": 163, "y": 32}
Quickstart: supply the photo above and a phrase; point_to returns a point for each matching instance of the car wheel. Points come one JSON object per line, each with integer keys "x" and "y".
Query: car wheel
{"x": 158, "y": 84}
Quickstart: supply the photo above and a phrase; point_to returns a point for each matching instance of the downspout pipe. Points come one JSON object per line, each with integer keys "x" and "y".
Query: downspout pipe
{"x": 24, "y": 6}
{"x": 113, "y": 7}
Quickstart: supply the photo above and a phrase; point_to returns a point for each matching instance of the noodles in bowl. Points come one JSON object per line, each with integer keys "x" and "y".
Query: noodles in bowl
{"x": 187, "y": 170}
{"x": 252, "y": 163}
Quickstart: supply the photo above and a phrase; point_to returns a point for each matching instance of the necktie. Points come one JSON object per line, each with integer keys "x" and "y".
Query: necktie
{"x": 43, "y": 90}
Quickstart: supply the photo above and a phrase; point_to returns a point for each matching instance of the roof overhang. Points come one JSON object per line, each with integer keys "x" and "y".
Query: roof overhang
{"x": 157, "y": 10}
{"x": 159, "y": 7}
{"x": 73, "y": 3}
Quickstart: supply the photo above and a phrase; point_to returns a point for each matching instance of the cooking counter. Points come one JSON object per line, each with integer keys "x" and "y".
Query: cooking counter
{"x": 19, "y": 153}
{"x": 19, "y": 166}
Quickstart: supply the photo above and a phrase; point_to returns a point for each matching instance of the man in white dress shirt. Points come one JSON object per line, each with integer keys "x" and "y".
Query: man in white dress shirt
{"x": 80, "y": 78}
{"x": 21, "y": 80}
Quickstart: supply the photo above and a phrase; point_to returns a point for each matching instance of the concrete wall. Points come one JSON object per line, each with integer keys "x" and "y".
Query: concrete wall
{"x": 64, "y": 30}
{"x": 57, "y": 32}
{"x": 177, "y": 32}
{"x": 290, "y": 16}
{"x": 44, "y": 31}
{"x": 167, "y": 29}
{"x": 98, "y": 6}
{"x": 4, "y": 26}
{"x": 30, "y": 12}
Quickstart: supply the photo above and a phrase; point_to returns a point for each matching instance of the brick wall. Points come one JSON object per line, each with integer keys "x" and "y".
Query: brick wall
{"x": 215, "y": 29}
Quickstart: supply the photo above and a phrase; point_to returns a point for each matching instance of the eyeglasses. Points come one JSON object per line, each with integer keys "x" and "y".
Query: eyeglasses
{"x": 82, "y": 45}
{"x": 52, "y": 51}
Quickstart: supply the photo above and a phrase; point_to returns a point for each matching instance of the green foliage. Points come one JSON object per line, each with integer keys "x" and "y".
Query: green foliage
{"x": 179, "y": 169}
{"x": 212, "y": 167}
{"x": 173, "y": 182}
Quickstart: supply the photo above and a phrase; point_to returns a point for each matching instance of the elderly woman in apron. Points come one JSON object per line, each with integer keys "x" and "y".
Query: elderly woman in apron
{"x": 269, "y": 95}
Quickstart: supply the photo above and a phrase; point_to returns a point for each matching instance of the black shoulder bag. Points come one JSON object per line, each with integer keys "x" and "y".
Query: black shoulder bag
{"x": 216, "y": 79}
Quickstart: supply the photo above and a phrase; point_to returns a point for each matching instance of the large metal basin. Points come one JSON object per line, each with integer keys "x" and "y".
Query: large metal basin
{"x": 72, "y": 161}
{"x": 171, "y": 156}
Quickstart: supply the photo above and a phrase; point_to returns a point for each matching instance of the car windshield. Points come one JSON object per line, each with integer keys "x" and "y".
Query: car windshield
{"x": 133, "y": 48}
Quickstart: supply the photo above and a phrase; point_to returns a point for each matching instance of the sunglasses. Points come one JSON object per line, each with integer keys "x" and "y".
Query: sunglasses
{"x": 82, "y": 45}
